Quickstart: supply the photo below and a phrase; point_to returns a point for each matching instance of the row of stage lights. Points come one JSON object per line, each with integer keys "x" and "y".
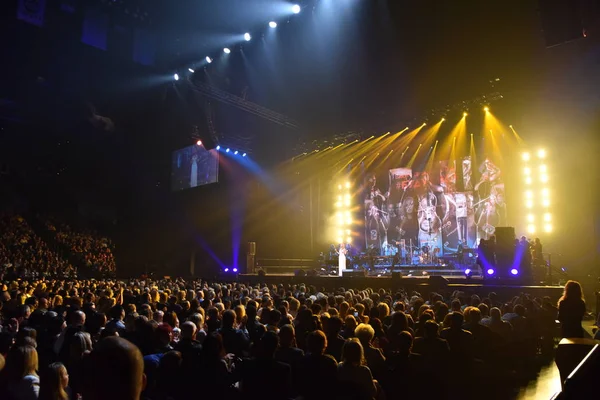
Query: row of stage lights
{"x": 295, "y": 9}
{"x": 535, "y": 177}
{"x": 343, "y": 216}
{"x": 226, "y": 150}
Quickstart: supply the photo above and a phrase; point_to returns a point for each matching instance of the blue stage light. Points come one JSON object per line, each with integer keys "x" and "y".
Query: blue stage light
{"x": 226, "y": 50}
{"x": 226, "y": 269}
{"x": 514, "y": 271}
{"x": 468, "y": 272}
{"x": 227, "y": 151}
{"x": 491, "y": 271}
{"x": 218, "y": 147}
{"x": 235, "y": 152}
{"x": 247, "y": 37}
{"x": 296, "y": 9}
{"x": 208, "y": 59}
{"x": 191, "y": 70}
{"x": 244, "y": 155}
{"x": 235, "y": 270}
{"x": 273, "y": 24}
{"x": 176, "y": 77}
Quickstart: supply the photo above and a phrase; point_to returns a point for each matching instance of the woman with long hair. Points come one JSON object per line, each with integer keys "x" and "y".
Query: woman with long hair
{"x": 353, "y": 373}
{"x": 54, "y": 383}
{"x": 19, "y": 379}
{"x": 571, "y": 309}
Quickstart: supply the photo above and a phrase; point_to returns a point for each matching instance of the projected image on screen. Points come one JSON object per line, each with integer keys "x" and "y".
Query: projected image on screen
{"x": 194, "y": 166}
{"x": 436, "y": 209}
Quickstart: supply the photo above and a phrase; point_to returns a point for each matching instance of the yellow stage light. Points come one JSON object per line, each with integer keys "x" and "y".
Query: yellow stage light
{"x": 543, "y": 168}
{"x": 340, "y": 232}
{"x": 548, "y": 228}
{"x": 530, "y": 218}
{"x": 544, "y": 178}
{"x": 347, "y": 202}
{"x": 486, "y": 109}
{"x": 348, "y": 240}
{"x": 349, "y": 221}
{"x": 443, "y": 119}
{"x": 531, "y": 229}
{"x": 529, "y": 204}
{"x": 546, "y": 203}
{"x": 340, "y": 198}
{"x": 529, "y": 194}
{"x": 541, "y": 153}
{"x": 510, "y": 126}
{"x": 547, "y": 217}
{"x": 347, "y": 196}
{"x": 340, "y": 240}
{"x": 528, "y": 181}
{"x": 465, "y": 114}
{"x": 348, "y": 214}
{"x": 527, "y": 171}
{"x": 545, "y": 192}
{"x": 347, "y": 185}
{"x": 338, "y": 204}
{"x": 340, "y": 187}
{"x": 526, "y": 156}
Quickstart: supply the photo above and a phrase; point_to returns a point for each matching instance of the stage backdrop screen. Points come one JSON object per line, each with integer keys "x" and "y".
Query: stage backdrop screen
{"x": 194, "y": 166}
{"x": 438, "y": 207}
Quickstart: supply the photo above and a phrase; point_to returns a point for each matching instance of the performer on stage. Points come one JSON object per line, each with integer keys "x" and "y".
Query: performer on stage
{"x": 342, "y": 258}
{"x": 460, "y": 253}
{"x": 538, "y": 257}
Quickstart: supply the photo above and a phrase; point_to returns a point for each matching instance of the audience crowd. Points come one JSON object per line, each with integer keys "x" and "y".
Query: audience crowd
{"x": 176, "y": 339}
{"x": 24, "y": 253}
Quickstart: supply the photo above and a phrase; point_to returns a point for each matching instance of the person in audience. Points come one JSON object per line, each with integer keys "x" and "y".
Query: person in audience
{"x": 19, "y": 379}
{"x": 434, "y": 349}
{"x": 571, "y": 310}
{"x": 353, "y": 373}
{"x": 54, "y": 383}
{"x": 460, "y": 340}
{"x": 317, "y": 364}
{"x": 374, "y": 356}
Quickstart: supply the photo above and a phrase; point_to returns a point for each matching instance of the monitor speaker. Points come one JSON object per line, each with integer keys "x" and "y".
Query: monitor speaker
{"x": 350, "y": 273}
{"x": 436, "y": 280}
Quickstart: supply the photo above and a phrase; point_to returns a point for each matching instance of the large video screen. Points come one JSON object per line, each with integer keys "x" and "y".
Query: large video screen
{"x": 439, "y": 208}
{"x": 194, "y": 166}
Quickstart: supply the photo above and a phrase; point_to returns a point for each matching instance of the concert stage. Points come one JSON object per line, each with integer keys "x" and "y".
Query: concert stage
{"x": 421, "y": 284}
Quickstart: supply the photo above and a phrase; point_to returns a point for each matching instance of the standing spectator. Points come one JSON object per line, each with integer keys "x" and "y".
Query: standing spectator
{"x": 19, "y": 379}
{"x": 571, "y": 309}
{"x": 54, "y": 383}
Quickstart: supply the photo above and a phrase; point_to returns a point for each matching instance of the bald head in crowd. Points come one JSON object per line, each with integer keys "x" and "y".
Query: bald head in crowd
{"x": 114, "y": 370}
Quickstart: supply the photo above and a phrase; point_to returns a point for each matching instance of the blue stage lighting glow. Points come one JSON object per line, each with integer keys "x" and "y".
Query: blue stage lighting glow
{"x": 273, "y": 24}
{"x": 208, "y": 59}
{"x": 176, "y": 77}
{"x": 296, "y": 9}
{"x": 191, "y": 70}
{"x": 218, "y": 147}
{"x": 514, "y": 271}
{"x": 226, "y": 50}
{"x": 235, "y": 270}
{"x": 491, "y": 271}
{"x": 468, "y": 272}
{"x": 226, "y": 269}
{"x": 247, "y": 37}
{"x": 244, "y": 155}
{"x": 227, "y": 151}
{"x": 235, "y": 152}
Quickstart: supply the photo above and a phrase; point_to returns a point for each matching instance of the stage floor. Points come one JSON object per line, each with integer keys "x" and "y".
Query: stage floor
{"x": 422, "y": 284}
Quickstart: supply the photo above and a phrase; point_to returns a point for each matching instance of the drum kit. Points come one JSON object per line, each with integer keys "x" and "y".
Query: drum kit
{"x": 426, "y": 253}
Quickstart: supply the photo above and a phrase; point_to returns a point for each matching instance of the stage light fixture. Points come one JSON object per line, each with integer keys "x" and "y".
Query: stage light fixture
{"x": 176, "y": 77}
{"x": 340, "y": 186}
{"x": 340, "y": 240}
{"x": 468, "y": 272}
{"x": 530, "y": 218}
{"x": 545, "y": 192}
{"x": 236, "y": 152}
{"x": 244, "y": 155}
{"x": 347, "y": 185}
{"x": 348, "y": 240}
{"x": 247, "y": 37}
{"x": 235, "y": 270}
{"x": 514, "y": 272}
{"x": 486, "y": 109}
{"x": 546, "y": 203}
{"x": 543, "y": 168}
{"x": 228, "y": 150}
{"x": 226, "y": 269}
{"x": 528, "y": 181}
{"x": 191, "y": 70}
{"x": 527, "y": 171}
{"x": 465, "y": 114}
{"x": 273, "y": 24}
{"x": 544, "y": 178}
{"x": 296, "y": 9}
{"x": 199, "y": 142}
{"x": 541, "y": 153}
{"x": 547, "y": 228}
{"x": 526, "y": 156}
{"x": 529, "y": 204}
{"x": 226, "y": 50}
{"x": 490, "y": 271}
{"x": 547, "y": 217}
{"x": 208, "y": 59}
{"x": 531, "y": 228}
{"x": 218, "y": 147}
{"x": 529, "y": 194}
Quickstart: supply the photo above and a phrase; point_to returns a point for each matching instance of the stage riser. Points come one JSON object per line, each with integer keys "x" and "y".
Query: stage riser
{"x": 504, "y": 289}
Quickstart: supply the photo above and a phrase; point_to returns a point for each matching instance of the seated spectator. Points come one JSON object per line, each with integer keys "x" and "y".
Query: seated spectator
{"x": 335, "y": 341}
{"x": 434, "y": 349}
{"x": 460, "y": 340}
{"x": 353, "y": 374}
{"x": 500, "y": 327}
{"x": 288, "y": 352}
{"x": 54, "y": 383}
{"x": 315, "y": 368}
{"x": 374, "y": 356}
{"x": 263, "y": 377}
{"x": 236, "y": 341}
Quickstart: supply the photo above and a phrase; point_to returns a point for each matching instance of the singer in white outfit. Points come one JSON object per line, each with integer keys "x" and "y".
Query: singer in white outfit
{"x": 342, "y": 258}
